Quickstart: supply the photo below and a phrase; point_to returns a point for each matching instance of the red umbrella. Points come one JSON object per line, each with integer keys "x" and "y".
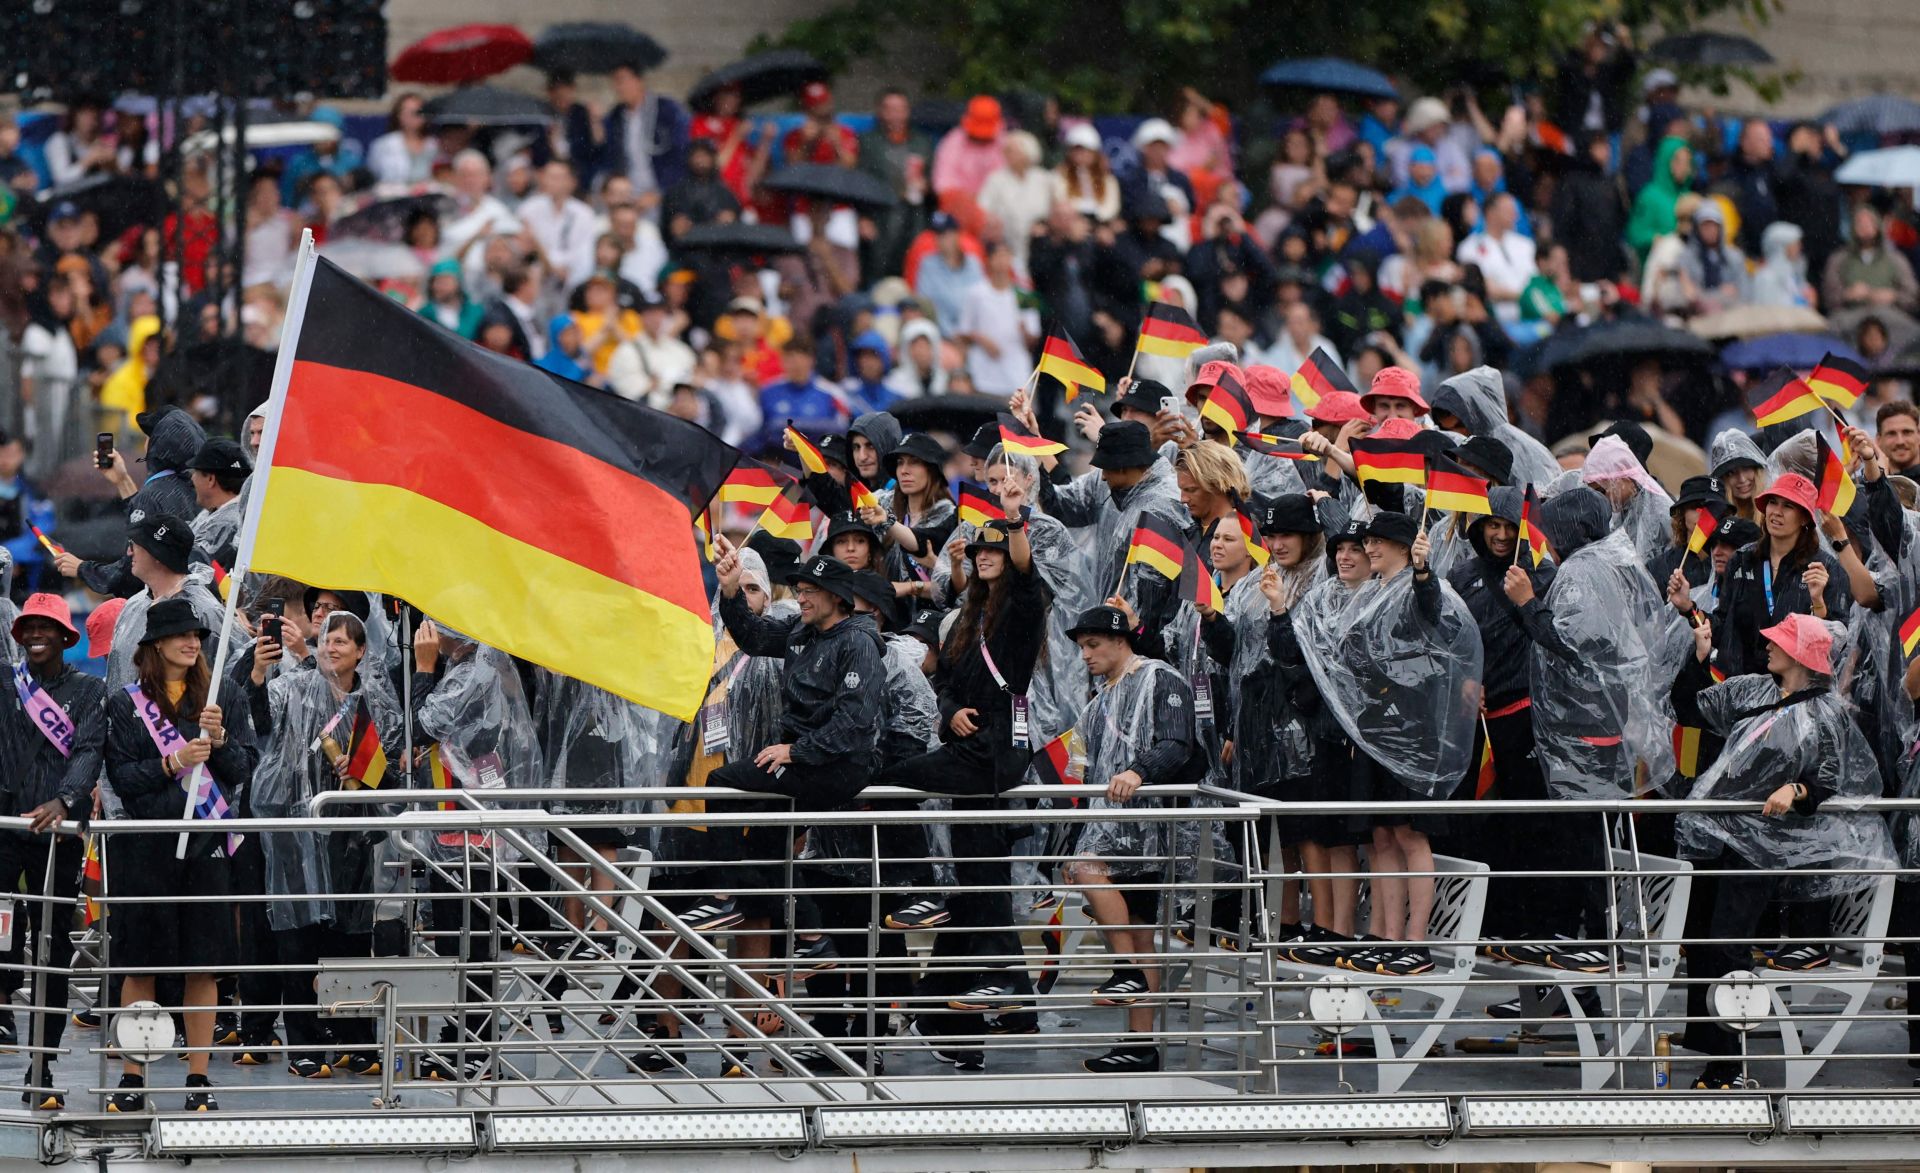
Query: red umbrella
{"x": 462, "y": 54}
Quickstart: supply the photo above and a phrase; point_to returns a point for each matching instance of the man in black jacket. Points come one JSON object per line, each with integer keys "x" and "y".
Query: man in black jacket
{"x": 52, "y": 726}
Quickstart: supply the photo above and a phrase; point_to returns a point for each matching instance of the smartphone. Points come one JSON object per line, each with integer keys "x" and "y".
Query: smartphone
{"x": 103, "y": 449}
{"x": 271, "y": 622}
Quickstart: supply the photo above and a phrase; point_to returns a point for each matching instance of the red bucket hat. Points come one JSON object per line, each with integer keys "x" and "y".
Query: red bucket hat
{"x": 1794, "y": 489}
{"x": 1397, "y": 429}
{"x": 1395, "y": 383}
{"x": 1271, "y": 391}
{"x": 1806, "y": 639}
{"x": 46, "y": 606}
{"x": 100, "y": 623}
{"x": 1339, "y": 407}
{"x": 1209, "y": 376}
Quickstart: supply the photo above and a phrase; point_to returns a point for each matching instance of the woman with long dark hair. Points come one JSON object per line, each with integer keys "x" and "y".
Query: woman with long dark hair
{"x": 159, "y": 729}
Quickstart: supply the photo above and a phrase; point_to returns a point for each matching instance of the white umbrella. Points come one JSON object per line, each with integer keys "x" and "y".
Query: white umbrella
{"x": 1891, "y": 167}
{"x": 261, "y": 135}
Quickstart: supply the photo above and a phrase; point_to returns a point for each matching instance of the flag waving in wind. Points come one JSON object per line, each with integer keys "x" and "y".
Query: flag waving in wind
{"x": 1317, "y": 376}
{"x": 1169, "y": 332}
{"x": 1530, "y": 535}
{"x": 1833, "y": 492}
{"x": 541, "y": 516}
{"x": 1780, "y": 397}
{"x": 1705, "y": 521}
{"x": 1838, "y": 380}
{"x": 1016, "y": 438}
{"x": 1158, "y": 544}
{"x": 1062, "y": 359}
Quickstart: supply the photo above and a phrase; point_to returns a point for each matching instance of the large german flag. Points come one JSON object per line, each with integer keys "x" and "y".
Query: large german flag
{"x": 1161, "y": 545}
{"x": 1168, "y": 331}
{"x": 539, "y": 515}
{"x": 1317, "y": 376}
{"x": 1780, "y": 397}
{"x": 1838, "y": 380}
{"x": 1062, "y": 359}
{"x": 1390, "y": 462}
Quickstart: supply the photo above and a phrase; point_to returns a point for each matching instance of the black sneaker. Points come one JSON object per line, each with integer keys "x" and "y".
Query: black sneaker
{"x": 736, "y": 1065}
{"x": 200, "y": 1095}
{"x": 360, "y": 1063}
{"x": 1723, "y": 1077}
{"x": 88, "y": 1019}
{"x": 9, "y": 1032}
{"x": 255, "y": 1053}
{"x": 1321, "y": 947}
{"x": 226, "y": 1029}
{"x": 46, "y": 1097}
{"x": 442, "y": 1069}
{"x": 1019, "y": 1023}
{"x": 713, "y": 914}
{"x": 1125, "y": 1059}
{"x": 942, "y": 1049}
{"x": 1367, "y": 956}
{"x": 132, "y": 1096}
{"x": 1574, "y": 957}
{"x": 805, "y": 1061}
{"x": 1124, "y": 988}
{"x": 815, "y": 956}
{"x": 651, "y": 1062}
{"x": 926, "y": 913}
{"x": 1800, "y": 958}
{"x": 992, "y": 997}
{"x": 1552, "y": 1004}
{"x": 307, "y": 1067}
{"x": 1410, "y": 961}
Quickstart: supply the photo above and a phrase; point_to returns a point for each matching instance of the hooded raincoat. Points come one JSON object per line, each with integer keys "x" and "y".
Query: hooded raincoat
{"x": 475, "y": 710}
{"x": 1653, "y": 208}
{"x": 1086, "y": 503}
{"x": 1478, "y": 398}
{"x": 1144, "y": 723}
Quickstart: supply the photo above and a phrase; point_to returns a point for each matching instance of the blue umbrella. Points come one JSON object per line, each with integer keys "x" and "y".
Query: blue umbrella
{"x": 1880, "y": 114}
{"x": 1334, "y": 74}
{"x": 1800, "y": 351}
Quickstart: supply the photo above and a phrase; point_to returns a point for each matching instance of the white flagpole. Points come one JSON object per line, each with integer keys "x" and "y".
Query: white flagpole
{"x": 257, "y": 494}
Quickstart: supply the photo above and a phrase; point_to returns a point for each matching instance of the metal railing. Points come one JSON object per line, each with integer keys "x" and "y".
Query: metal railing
{"x": 567, "y": 979}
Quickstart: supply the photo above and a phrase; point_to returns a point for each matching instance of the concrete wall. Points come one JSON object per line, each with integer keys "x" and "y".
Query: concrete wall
{"x": 1843, "y": 49}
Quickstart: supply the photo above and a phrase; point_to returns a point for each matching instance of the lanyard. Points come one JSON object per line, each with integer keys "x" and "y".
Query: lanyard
{"x": 1766, "y": 583}
{"x": 992, "y": 668}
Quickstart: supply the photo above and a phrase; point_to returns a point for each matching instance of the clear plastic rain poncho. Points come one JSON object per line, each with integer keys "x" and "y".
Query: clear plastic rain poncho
{"x": 1151, "y": 703}
{"x": 1086, "y": 502}
{"x": 1647, "y": 516}
{"x": 1270, "y": 476}
{"x": 1405, "y": 688}
{"x": 1812, "y": 741}
{"x": 1599, "y": 709}
{"x": 9, "y": 651}
{"x": 592, "y": 739}
{"x": 1478, "y": 398}
{"x": 132, "y": 624}
{"x": 478, "y": 714}
{"x": 1729, "y": 445}
{"x": 1267, "y": 736}
{"x": 313, "y": 724}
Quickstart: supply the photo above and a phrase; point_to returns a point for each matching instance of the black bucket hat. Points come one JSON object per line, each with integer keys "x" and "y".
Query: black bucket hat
{"x": 174, "y": 616}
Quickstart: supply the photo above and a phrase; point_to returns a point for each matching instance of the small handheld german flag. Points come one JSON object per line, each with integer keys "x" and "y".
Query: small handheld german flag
{"x": 1317, "y": 376}
{"x": 1834, "y": 492}
{"x": 222, "y": 581}
{"x": 1686, "y": 750}
{"x": 1483, "y": 778}
{"x": 1198, "y": 586}
{"x": 1157, "y": 543}
{"x": 1168, "y": 331}
{"x": 367, "y": 761}
{"x": 1060, "y": 358}
{"x": 789, "y": 517}
{"x": 1780, "y": 397}
{"x": 810, "y": 456}
{"x": 54, "y": 548}
{"x": 751, "y": 483}
{"x": 1838, "y": 380}
{"x": 1910, "y": 632}
{"x": 1228, "y": 405}
{"x": 1256, "y": 549}
{"x": 1051, "y": 763}
{"x": 1452, "y": 487}
{"x": 861, "y": 496}
{"x": 1389, "y": 462}
{"x": 1280, "y": 446}
{"x": 1530, "y": 535}
{"x": 975, "y": 504}
{"x": 1704, "y": 523}
{"x": 1016, "y": 438}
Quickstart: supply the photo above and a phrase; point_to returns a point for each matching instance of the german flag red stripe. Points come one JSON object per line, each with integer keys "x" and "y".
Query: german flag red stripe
{"x": 976, "y": 505}
{"x": 539, "y": 515}
{"x": 1455, "y": 489}
{"x": 1317, "y": 376}
{"x": 1910, "y": 632}
{"x": 1197, "y": 586}
{"x": 1780, "y": 397}
{"x": 1227, "y": 405}
{"x": 1051, "y": 764}
{"x": 1704, "y": 523}
{"x": 1838, "y": 380}
{"x": 1395, "y": 462}
{"x": 1834, "y": 493}
{"x": 1014, "y": 435}
{"x": 1060, "y": 358}
{"x": 1168, "y": 331}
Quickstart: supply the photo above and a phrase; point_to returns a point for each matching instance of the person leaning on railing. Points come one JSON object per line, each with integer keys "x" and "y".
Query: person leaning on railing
{"x": 157, "y": 733}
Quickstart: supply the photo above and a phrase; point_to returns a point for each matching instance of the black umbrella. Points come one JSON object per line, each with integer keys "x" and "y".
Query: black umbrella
{"x": 237, "y": 374}
{"x": 828, "y": 181}
{"x": 117, "y": 201}
{"x": 383, "y": 214}
{"x": 1632, "y": 338}
{"x": 1710, "y": 49}
{"x": 486, "y": 106}
{"x": 960, "y": 414}
{"x": 596, "y": 47}
{"x": 738, "y": 237}
{"x": 1880, "y": 114}
{"x": 762, "y": 76}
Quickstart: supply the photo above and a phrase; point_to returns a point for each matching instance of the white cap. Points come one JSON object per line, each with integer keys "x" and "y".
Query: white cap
{"x": 1424, "y": 114}
{"x": 1155, "y": 130}
{"x": 1081, "y": 134}
{"x": 1658, "y": 79}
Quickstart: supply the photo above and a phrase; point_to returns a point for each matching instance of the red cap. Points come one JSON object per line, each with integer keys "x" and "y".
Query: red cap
{"x": 1209, "y": 377}
{"x": 100, "y": 623}
{"x": 982, "y": 119}
{"x": 815, "y": 94}
{"x": 1395, "y": 383}
{"x": 1792, "y": 488}
{"x": 1271, "y": 391}
{"x": 46, "y": 606}
{"x": 1806, "y": 639}
{"x": 1397, "y": 429}
{"x": 1338, "y": 407}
